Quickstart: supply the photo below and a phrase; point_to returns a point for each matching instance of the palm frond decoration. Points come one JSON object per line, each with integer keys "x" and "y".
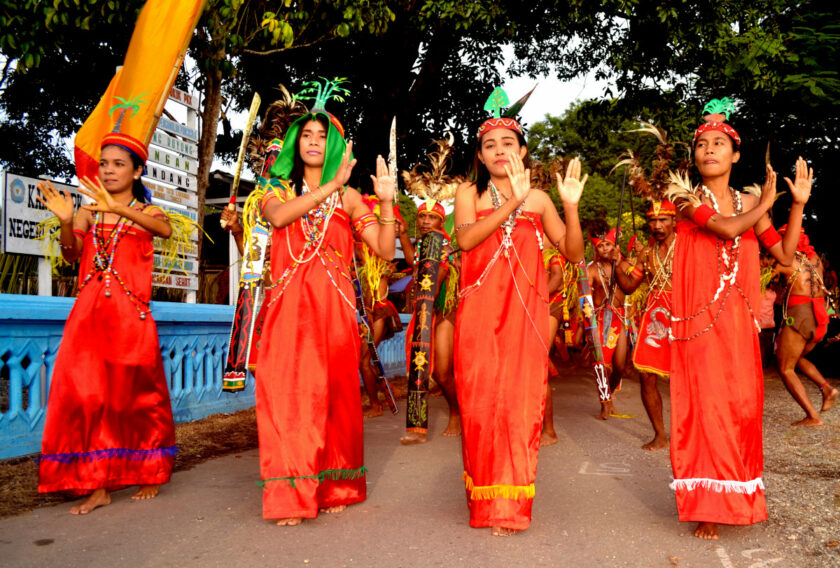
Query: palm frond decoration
{"x": 723, "y": 106}
{"x": 431, "y": 181}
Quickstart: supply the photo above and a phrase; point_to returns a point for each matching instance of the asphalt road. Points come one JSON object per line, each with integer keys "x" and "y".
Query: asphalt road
{"x": 600, "y": 502}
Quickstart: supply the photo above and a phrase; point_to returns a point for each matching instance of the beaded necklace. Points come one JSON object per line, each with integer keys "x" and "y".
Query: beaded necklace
{"x": 510, "y": 223}
{"x": 314, "y": 225}
{"x": 727, "y": 264}
{"x": 816, "y": 282}
{"x": 603, "y": 278}
{"x": 103, "y": 260}
{"x": 661, "y": 277}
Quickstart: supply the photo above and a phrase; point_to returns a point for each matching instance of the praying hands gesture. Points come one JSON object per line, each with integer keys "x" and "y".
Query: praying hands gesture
{"x": 59, "y": 203}
{"x": 384, "y": 182}
{"x": 571, "y": 188}
{"x": 519, "y": 176}
{"x": 800, "y": 188}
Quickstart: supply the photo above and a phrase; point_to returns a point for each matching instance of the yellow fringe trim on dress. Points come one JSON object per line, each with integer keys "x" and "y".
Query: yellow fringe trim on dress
{"x": 482, "y": 492}
{"x": 453, "y": 288}
{"x": 372, "y": 271}
{"x": 50, "y": 235}
{"x": 251, "y": 210}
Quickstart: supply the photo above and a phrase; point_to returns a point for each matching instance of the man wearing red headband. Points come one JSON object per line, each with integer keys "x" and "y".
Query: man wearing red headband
{"x": 430, "y": 217}
{"x": 804, "y": 325}
{"x": 652, "y": 355}
{"x": 614, "y": 340}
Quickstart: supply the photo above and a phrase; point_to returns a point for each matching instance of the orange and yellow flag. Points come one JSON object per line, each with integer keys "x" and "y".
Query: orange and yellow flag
{"x": 133, "y": 102}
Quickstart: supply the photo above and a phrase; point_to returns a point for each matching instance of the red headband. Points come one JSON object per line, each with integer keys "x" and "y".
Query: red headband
{"x": 437, "y": 209}
{"x": 127, "y": 142}
{"x": 494, "y": 123}
{"x": 663, "y": 207}
{"x": 719, "y": 126}
{"x": 608, "y": 237}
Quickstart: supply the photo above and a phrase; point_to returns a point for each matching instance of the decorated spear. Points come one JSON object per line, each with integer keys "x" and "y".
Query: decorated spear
{"x": 240, "y": 159}
{"x": 610, "y": 293}
{"x": 590, "y": 322}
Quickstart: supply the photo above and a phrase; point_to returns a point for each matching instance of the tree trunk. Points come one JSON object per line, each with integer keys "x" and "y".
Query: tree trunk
{"x": 207, "y": 142}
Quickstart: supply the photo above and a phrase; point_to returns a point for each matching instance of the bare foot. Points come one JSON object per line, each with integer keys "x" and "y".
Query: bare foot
{"x": 808, "y": 421}
{"x": 146, "y": 492}
{"x": 98, "y": 498}
{"x": 659, "y": 441}
{"x": 607, "y": 408}
{"x": 294, "y": 521}
{"x": 829, "y": 398}
{"x": 503, "y": 531}
{"x": 454, "y": 426}
{"x": 548, "y": 437}
{"x": 331, "y": 510}
{"x": 707, "y": 531}
{"x": 373, "y": 411}
{"x": 413, "y": 438}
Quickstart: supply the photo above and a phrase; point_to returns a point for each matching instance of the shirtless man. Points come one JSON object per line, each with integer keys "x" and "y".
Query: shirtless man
{"x": 803, "y": 326}
{"x": 614, "y": 348}
{"x": 652, "y": 356}
{"x": 430, "y": 217}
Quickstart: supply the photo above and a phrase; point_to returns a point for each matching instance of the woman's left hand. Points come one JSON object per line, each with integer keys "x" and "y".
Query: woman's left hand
{"x": 800, "y": 188}
{"x": 571, "y": 188}
{"x": 384, "y": 181}
{"x": 102, "y": 200}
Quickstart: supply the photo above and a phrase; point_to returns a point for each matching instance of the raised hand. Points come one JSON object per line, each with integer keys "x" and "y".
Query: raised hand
{"x": 571, "y": 188}
{"x": 800, "y": 188}
{"x": 102, "y": 200}
{"x": 768, "y": 190}
{"x": 519, "y": 176}
{"x": 59, "y": 203}
{"x": 383, "y": 181}
{"x": 345, "y": 168}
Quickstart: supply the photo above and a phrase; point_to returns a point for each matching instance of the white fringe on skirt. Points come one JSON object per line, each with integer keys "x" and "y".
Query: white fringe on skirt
{"x": 746, "y": 487}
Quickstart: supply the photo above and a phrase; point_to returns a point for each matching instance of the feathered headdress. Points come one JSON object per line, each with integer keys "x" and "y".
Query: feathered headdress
{"x": 431, "y": 182}
{"x": 652, "y": 186}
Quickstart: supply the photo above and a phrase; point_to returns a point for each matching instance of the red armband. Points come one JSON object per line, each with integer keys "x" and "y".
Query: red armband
{"x": 702, "y": 215}
{"x": 769, "y": 237}
{"x": 363, "y": 222}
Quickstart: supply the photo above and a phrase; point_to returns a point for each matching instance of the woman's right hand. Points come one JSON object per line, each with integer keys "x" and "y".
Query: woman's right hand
{"x": 768, "y": 190}
{"x": 58, "y": 202}
{"x": 345, "y": 168}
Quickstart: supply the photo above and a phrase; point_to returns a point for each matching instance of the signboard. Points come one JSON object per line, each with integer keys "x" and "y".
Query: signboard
{"x": 164, "y": 140}
{"x": 173, "y": 280}
{"x": 180, "y": 266}
{"x": 183, "y": 97}
{"x": 170, "y": 176}
{"x": 22, "y": 212}
{"x": 178, "y": 129}
{"x": 184, "y": 249}
{"x": 171, "y": 194}
{"x": 176, "y": 161}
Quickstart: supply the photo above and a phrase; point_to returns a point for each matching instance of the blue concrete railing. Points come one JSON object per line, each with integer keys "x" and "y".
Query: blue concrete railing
{"x": 193, "y": 340}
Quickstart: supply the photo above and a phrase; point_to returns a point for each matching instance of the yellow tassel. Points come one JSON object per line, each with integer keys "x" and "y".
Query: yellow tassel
{"x": 371, "y": 273}
{"x": 50, "y": 231}
{"x": 484, "y": 492}
{"x": 452, "y": 289}
{"x": 179, "y": 240}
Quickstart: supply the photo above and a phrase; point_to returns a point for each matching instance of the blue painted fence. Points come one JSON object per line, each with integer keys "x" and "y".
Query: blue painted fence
{"x": 193, "y": 342}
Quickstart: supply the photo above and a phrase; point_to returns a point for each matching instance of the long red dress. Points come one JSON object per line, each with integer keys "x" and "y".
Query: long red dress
{"x": 109, "y": 418}
{"x": 501, "y": 369}
{"x": 717, "y": 388}
{"x": 309, "y": 408}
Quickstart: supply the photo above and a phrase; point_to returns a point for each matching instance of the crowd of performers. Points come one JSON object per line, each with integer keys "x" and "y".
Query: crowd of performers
{"x": 510, "y": 278}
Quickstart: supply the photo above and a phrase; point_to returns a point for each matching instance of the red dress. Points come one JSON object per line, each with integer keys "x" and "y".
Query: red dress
{"x": 109, "y": 418}
{"x": 501, "y": 369}
{"x": 309, "y": 407}
{"x": 717, "y": 388}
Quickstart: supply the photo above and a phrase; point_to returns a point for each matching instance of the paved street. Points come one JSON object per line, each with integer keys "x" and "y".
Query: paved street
{"x": 601, "y": 501}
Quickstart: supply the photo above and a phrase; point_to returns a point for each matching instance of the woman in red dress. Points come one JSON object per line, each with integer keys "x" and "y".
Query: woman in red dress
{"x": 308, "y": 401}
{"x": 717, "y": 389}
{"x": 109, "y": 419}
{"x": 501, "y": 331}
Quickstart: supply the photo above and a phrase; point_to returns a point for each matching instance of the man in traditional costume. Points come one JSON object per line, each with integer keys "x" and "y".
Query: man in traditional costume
{"x": 652, "y": 355}
{"x": 804, "y": 325}
{"x": 501, "y": 332}
{"x": 308, "y": 401}
{"x": 608, "y": 296}
{"x": 717, "y": 388}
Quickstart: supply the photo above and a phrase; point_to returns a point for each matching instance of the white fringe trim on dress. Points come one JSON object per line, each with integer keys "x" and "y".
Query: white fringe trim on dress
{"x": 745, "y": 487}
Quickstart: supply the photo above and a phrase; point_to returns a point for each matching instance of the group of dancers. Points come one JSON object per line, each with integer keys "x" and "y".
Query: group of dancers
{"x": 109, "y": 421}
